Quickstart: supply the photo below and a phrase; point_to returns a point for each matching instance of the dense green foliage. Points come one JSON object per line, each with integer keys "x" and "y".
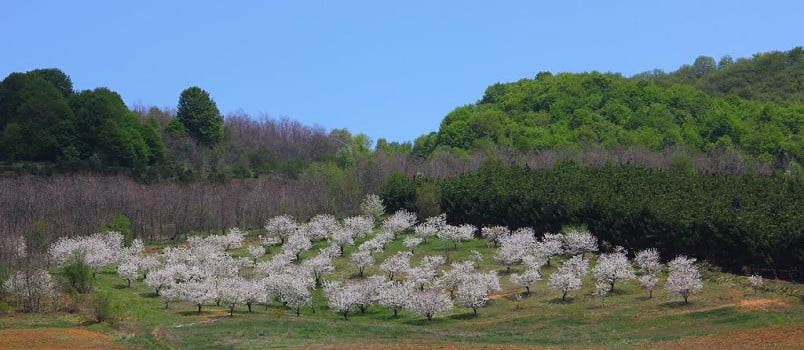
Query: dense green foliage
{"x": 573, "y": 110}
{"x": 731, "y": 220}
{"x": 773, "y": 76}
{"x": 200, "y": 116}
{"x": 42, "y": 119}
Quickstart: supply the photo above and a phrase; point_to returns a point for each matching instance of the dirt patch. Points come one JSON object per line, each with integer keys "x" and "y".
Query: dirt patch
{"x": 761, "y": 304}
{"x": 503, "y": 294}
{"x": 789, "y": 336}
{"x": 54, "y": 338}
{"x": 445, "y": 346}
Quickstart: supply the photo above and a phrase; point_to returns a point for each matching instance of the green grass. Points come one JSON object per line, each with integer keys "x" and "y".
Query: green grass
{"x": 628, "y": 318}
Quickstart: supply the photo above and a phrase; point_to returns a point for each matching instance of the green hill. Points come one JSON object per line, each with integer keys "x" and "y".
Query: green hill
{"x": 570, "y": 110}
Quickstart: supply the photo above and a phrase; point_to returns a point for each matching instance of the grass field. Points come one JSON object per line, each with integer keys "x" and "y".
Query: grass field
{"x": 727, "y": 314}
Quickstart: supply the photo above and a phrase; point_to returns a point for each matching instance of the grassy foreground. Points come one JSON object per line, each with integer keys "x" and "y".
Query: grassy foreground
{"x": 625, "y": 319}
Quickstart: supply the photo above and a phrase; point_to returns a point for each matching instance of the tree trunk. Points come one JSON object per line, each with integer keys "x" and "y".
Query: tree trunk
{"x": 475, "y": 311}
{"x": 564, "y": 297}
{"x": 249, "y": 306}
{"x": 199, "y": 308}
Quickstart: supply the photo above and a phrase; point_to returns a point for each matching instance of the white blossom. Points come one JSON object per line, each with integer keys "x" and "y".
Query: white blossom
{"x": 340, "y": 299}
{"x": 98, "y": 250}
{"x": 147, "y": 264}
{"x": 361, "y": 226}
{"x": 648, "y": 261}
{"x": 431, "y": 226}
{"x": 684, "y": 278}
{"x": 343, "y": 238}
{"x": 495, "y": 233}
{"x": 514, "y": 247}
{"x": 321, "y": 226}
{"x": 128, "y": 270}
{"x": 197, "y": 292}
{"x": 255, "y": 251}
{"x": 233, "y": 291}
{"x": 396, "y": 264}
{"x": 473, "y": 292}
{"x": 602, "y": 289}
{"x": 756, "y": 282}
{"x": 318, "y": 266}
{"x": 428, "y": 302}
{"x": 456, "y": 234}
{"x": 394, "y": 295}
{"x": 614, "y": 267}
{"x": 399, "y": 221}
{"x": 280, "y": 227}
{"x": 548, "y": 246}
{"x": 567, "y": 278}
{"x": 362, "y": 259}
{"x": 565, "y": 282}
{"x": 292, "y": 289}
{"x": 412, "y": 241}
{"x": 453, "y": 278}
{"x": 296, "y": 243}
{"x": 526, "y": 279}
{"x": 372, "y": 206}
{"x": 426, "y": 272}
{"x": 31, "y": 288}
{"x": 366, "y": 291}
{"x": 649, "y": 282}
{"x": 579, "y": 242}
{"x": 162, "y": 278}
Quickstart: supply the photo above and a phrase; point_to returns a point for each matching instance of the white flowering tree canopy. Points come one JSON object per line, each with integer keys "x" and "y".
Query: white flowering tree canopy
{"x": 684, "y": 278}
{"x": 372, "y": 206}
{"x": 614, "y": 267}
{"x": 429, "y": 302}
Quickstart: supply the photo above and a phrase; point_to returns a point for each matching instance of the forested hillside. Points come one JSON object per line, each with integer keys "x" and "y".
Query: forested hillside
{"x": 703, "y": 161}
{"x": 773, "y": 76}
{"x": 752, "y": 106}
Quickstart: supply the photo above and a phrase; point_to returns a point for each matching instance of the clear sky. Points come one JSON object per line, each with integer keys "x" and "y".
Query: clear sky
{"x": 390, "y": 69}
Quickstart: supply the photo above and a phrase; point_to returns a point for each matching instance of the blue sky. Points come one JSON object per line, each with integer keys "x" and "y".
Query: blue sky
{"x": 390, "y": 69}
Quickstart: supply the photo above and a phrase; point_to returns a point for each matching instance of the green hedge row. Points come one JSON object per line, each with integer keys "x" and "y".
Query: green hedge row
{"x": 733, "y": 221}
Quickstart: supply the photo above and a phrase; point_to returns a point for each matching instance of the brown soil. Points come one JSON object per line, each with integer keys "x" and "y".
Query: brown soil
{"x": 54, "y": 338}
{"x": 503, "y": 294}
{"x": 761, "y": 304}
{"x": 787, "y": 337}
{"x": 442, "y": 346}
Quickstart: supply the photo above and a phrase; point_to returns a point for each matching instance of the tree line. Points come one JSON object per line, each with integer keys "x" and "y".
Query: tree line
{"x": 733, "y": 221}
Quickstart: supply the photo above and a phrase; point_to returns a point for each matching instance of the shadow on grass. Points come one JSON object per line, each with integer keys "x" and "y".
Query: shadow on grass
{"x": 558, "y": 300}
{"x": 120, "y": 286}
{"x": 463, "y": 316}
{"x": 674, "y": 304}
{"x": 196, "y": 313}
{"x": 148, "y": 295}
{"x": 423, "y": 321}
{"x": 356, "y": 276}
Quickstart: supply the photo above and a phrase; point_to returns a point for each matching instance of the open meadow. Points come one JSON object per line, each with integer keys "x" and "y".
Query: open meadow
{"x": 727, "y": 313}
